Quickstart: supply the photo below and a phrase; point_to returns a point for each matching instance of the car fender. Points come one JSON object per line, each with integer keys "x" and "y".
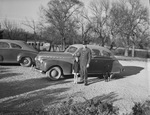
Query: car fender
{"x": 116, "y": 67}
{"x": 26, "y": 54}
{"x": 1, "y": 58}
{"x": 64, "y": 65}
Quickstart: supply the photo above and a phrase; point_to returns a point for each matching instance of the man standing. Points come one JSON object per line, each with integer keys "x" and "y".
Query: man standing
{"x": 84, "y": 59}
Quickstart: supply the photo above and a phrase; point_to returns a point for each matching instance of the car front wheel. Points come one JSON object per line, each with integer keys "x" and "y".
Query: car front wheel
{"x": 26, "y": 61}
{"x": 54, "y": 73}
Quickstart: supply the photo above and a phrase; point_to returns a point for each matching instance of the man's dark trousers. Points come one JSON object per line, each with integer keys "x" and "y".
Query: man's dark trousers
{"x": 83, "y": 74}
{"x": 84, "y": 57}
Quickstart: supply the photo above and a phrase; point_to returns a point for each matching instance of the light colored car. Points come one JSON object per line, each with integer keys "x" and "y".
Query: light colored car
{"x": 15, "y": 51}
{"x": 56, "y": 64}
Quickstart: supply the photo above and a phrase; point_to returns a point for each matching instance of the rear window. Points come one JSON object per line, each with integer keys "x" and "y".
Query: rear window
{"x": 15, "y": 46}
{"x": 106, "y": 54}
{"x": 96, "y": 53}
{"x": 4, "y": 45}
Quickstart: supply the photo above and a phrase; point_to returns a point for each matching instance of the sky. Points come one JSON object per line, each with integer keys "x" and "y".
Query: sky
{"x": 20, "y": 10}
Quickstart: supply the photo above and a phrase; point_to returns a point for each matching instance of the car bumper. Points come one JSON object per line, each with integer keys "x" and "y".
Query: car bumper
{"x": 38, "y": 70}
{"x": 39, "y": 67}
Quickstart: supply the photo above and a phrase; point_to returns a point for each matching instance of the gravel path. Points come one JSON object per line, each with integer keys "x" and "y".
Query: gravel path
{"x": 24, "y": 88}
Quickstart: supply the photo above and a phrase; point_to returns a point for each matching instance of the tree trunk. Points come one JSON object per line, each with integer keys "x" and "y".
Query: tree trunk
{"x": 133, "y": 50}
{"x": 126, "y": 53}
{"x": 38, "y": 46}
{"x": 127, "y": 47}
{"x": 63, "y": 44}
{"x": 103, "y": 44}
{"x": 111, "y": 46}
{"x": 50, "y": 47}
{"x": 102, "y": 40}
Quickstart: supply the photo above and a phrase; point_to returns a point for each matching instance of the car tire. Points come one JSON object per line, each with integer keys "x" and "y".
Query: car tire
{"x": 112, "y": 75}
{"x": 54, "y": 73}
{"x": 26, "y": 61}
{"x": 100, "y": 76}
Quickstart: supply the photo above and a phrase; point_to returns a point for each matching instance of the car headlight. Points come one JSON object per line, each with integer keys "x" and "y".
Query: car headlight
{"x": 36, "y": 58}
{"x": 41, "y": 61}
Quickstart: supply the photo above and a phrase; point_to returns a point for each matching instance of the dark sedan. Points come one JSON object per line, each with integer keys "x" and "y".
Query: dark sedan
{"x": 15, "y": 51}
{"x": 56, "y": 64}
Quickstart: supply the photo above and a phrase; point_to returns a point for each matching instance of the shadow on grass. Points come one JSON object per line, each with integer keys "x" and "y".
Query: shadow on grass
{"x": 4, "y": 69}
{"x": 19, "y": 87}
{"x": 6, "y": 75}
{"x": 94, "y": 79}
{"x": 129, "y": 70}
{"x": 105, "y": 98}
{"x": 5, "y": 72}
{"x": 110, "y": 97}
{"x": 45, "y": 98}
{"x": 37, "y": 94}
{"x": 33, "y": 101}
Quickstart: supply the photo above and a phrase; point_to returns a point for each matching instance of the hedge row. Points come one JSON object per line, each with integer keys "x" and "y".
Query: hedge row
{"x": 138, "y": 53}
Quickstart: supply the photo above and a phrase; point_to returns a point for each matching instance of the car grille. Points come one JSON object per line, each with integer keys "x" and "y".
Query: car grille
{"x": 37, "y": 63}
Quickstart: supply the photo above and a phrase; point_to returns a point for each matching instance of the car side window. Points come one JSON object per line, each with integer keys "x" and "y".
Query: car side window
{"x": 15, "y": 46}
{"x": 106, "y": 54}
{"x": 4, "y": 45}
{"x": 96, "y": 53}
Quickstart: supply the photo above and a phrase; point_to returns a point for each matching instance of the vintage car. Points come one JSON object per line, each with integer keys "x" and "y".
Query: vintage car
{"x": 57, "y": 64}
{"x": 15, "y": 51}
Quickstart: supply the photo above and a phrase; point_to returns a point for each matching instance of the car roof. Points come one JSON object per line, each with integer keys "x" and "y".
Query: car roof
{"x": 11, "y": 41}
{"x": 92, "y": 47}
{"x": 19, "y": 42}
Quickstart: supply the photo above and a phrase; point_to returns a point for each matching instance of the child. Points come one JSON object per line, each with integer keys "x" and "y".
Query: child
{"x": 76, "y": 69}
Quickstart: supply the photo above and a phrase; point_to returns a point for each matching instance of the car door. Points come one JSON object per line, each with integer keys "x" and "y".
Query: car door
{"x": 5, "y": 52}
{"x": 16, "y": 50}
{"x": 107, "y": 61}
{"x": 96, "y": 65}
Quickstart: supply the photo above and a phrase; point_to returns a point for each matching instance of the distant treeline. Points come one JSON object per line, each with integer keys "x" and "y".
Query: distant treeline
{"x": 137, "y": 52}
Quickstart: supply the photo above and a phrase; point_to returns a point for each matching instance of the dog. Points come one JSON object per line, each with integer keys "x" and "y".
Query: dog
{"x": 107, "y": 77}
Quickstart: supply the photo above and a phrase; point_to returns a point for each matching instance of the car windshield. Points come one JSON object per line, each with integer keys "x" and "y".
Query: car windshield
{"x": 71, "y": 49}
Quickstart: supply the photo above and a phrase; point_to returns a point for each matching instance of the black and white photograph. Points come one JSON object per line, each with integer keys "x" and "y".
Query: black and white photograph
{"x": 74, "y": 57}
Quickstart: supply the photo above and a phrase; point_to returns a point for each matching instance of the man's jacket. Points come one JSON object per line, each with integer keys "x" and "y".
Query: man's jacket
{"x": 84, "y": 56}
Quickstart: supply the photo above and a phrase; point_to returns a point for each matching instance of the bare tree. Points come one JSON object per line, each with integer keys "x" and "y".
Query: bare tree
{"x": 33, "y": 26}
{"x": 100, "y": 15}
{"x": 127, "y": 16}
{"x": 85, "y": 25}
{"x": 12, "y": 30}
{"x": 60, "y": 14}
{"x": 10, "y": 27}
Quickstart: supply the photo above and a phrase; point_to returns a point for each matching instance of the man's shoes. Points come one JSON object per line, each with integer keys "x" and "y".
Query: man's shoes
{"x": 86, "y": 84}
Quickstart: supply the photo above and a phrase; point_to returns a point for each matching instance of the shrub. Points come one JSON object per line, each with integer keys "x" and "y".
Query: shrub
{"x": 96, "y": 107}
{"x": 141, "y": 109}
{"x": 119, "y": 52}
{"x": 90, "y": 107}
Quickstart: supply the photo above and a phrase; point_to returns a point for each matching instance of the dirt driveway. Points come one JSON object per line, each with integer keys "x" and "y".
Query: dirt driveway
{"x": 22, "y": 89}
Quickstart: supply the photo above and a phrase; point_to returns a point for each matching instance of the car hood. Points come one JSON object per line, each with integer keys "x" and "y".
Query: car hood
{"x": 31, "y": 50}
{"x": 54, "y": 55}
